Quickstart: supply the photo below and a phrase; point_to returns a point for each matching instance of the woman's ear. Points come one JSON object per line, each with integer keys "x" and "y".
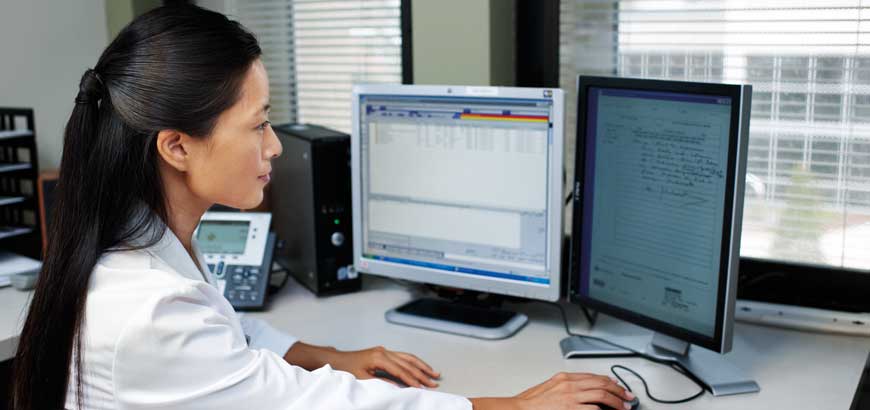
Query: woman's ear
{"x": 171, "y": 146}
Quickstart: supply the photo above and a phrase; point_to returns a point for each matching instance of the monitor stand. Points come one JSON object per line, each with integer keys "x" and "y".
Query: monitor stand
{"x": 717, "y": 374}
{"x": 458, "y": 318}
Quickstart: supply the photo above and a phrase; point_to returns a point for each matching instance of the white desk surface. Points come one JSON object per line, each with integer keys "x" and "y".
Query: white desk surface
{"x": 13, "y": 311}
{"x": 796, "y": 370}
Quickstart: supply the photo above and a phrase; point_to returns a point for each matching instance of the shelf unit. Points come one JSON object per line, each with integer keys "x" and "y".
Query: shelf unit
{"x": 19, "y": 207}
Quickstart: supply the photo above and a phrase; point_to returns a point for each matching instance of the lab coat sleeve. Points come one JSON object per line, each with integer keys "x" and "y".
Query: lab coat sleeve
{"x": 264, "y": 336}
{"x": 186, "y": 350}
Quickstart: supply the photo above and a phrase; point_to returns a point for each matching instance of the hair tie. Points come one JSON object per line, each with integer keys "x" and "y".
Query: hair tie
{"x": 91, "y": 88}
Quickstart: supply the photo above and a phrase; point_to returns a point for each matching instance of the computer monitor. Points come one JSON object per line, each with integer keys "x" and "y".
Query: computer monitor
{"x": 459, "y": 187}
{"x": 658, "y": 196}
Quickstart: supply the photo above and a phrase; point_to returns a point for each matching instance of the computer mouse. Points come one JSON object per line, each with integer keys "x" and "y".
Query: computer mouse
{"x": 634, "y": 403}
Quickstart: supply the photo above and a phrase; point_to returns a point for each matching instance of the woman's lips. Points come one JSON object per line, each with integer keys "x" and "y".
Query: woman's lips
{"x": 265, "y": 178}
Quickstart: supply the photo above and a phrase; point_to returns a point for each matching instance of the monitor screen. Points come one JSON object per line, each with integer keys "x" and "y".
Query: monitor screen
{"x": 459, "y": 187}
{"x": 223, "y": 237}
{"x": 655, "y": 202}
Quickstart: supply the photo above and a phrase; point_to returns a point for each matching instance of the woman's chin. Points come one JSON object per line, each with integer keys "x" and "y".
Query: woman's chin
{"x": 255, "y": 202}
{"x": 250, "y": 202}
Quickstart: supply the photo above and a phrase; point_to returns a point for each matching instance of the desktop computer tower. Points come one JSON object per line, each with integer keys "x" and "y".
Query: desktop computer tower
{"x": 311, "y": 207}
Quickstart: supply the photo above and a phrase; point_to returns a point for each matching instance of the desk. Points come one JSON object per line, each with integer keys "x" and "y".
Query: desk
{"x": 796, "y": 370}
{"x": 13, "y": 311}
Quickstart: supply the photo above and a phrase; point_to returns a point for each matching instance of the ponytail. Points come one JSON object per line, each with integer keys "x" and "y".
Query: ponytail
{"x": 175, "y": 67}
{"x": 60, "y": 294}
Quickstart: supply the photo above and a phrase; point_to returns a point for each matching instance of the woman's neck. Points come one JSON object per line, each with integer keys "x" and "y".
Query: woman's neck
{"x": 184, "y": 209}
{"x": 183, "y": 219}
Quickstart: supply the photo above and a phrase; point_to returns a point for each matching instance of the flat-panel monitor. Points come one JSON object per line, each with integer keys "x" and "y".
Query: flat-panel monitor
{"x": 460, "y": 187}
{"x": 658, "y": 196}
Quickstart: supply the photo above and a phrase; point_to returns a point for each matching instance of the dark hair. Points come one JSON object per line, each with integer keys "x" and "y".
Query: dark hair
{"x": 175, "y": 67}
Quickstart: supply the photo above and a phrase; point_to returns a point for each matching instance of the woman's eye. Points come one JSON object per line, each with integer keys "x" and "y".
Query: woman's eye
{"x": 263, "y": 126}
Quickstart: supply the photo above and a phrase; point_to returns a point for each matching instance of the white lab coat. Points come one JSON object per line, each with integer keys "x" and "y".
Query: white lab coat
{"x": 159, "y": 335}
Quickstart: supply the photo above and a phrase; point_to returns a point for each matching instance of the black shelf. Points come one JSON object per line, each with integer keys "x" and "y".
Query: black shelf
{"x": 15, "y": 134}
{"x": 19, "y": 208}
{"x": 15, "y": 231}
{"x": 12, "y": 200}
{"x": 23, "y": 166}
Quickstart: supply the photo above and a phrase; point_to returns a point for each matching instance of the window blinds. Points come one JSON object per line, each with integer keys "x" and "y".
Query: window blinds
{"x": 316, "y": 50}
{"x": 808, "y": 177}
{"x": 271, "y": 21}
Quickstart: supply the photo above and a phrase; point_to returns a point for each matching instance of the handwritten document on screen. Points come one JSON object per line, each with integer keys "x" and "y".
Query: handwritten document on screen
{"x": 660, "y": 166}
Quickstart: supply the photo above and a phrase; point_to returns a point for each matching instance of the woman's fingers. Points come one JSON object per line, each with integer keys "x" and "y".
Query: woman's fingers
{"x": 546, "y": 385}
{"x": 398, "y": 371}
{"x": 415, "y": 372}
{"x": 608, "y": 385}
{"x": 576, "y": 391}
{"x": 420, "y": 364}
{"x": 591, "y": 381}
{"x": 582, "y": 389}
{"x": 600, "y": 397}
{"x": 407, "y": 368}
{"x": 562, "y": 378}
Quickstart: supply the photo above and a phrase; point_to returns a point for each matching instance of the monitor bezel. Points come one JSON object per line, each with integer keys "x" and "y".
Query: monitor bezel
{"x": 728, "y": 266}
{"x": 551, "y": 291}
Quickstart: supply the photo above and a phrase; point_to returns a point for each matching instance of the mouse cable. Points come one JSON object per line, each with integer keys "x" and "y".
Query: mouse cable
{"x": 634, "y": 352}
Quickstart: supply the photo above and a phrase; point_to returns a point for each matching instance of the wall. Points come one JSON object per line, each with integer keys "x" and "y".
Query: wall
{"x": 121, "y": 12}
{"x": 47, "y": 45}
{"x": 463, "y": 42}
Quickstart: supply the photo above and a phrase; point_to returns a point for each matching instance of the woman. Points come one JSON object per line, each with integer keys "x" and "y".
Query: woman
{"x": 172, "y": 119}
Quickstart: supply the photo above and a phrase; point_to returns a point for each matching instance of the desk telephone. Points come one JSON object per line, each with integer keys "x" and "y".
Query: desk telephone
{"x": 238, "y": 249}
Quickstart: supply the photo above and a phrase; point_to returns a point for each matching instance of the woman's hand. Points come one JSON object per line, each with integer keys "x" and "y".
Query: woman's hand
{"x": 564, "y": 391}
{"x": 404, "y": 366}
{"x": 364, "y": 363}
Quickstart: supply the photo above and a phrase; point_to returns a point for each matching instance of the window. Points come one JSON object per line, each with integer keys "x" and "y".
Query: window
{"x": 316, "y": 50}
{"x": 808, "y": 176}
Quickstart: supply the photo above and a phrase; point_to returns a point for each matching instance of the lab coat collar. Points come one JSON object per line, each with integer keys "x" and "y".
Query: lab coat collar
{"x": 200, "y": 263}
{"x": 170, "y": 250}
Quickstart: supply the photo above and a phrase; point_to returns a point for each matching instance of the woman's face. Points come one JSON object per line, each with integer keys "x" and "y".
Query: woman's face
{"x": 232, "y": 166}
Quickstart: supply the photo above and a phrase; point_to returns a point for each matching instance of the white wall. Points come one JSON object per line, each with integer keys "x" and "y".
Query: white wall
{"x": 46, "y": 46}
{"x": 463, "y": 42}
{"x": 451, "y": 42}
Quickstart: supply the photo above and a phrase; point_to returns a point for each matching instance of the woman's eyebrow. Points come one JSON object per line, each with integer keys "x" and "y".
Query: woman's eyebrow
{"x": 266, "y": 108}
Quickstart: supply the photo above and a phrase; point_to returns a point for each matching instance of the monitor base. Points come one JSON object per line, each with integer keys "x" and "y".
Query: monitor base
{"x": 717, "y": 374}
{"x": 457, "y": 318}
